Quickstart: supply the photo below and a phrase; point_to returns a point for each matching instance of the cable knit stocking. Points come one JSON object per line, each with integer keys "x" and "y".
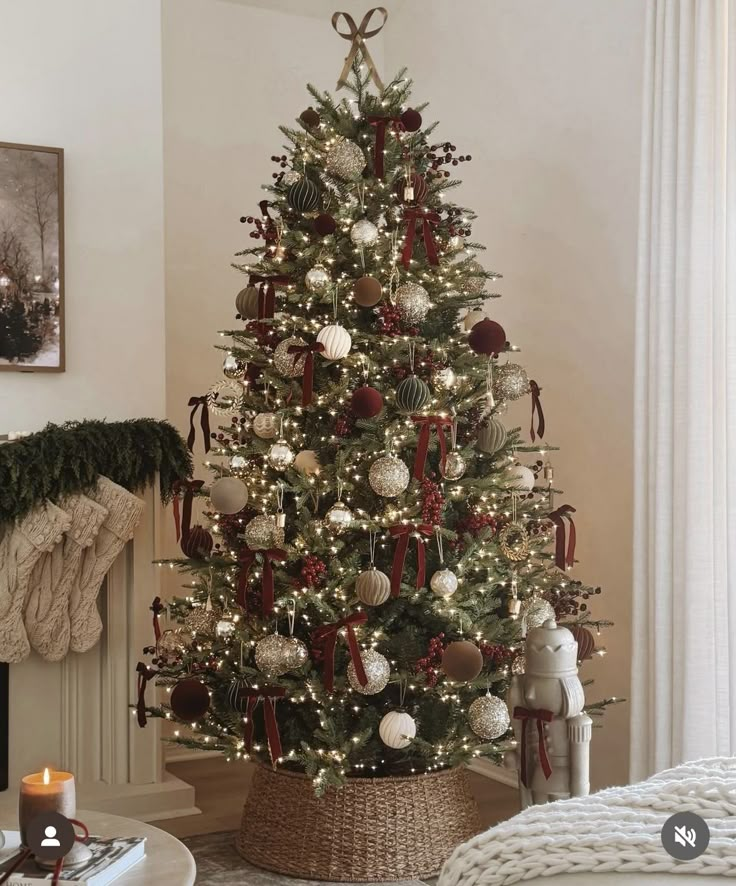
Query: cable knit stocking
{"x": 21, "y": 547}
{"x": 124, "y": 514}
{"x": 46, "y": 613}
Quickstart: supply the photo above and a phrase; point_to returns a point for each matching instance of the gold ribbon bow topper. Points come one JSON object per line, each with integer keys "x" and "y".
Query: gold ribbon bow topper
{"x": 358, "y": 36}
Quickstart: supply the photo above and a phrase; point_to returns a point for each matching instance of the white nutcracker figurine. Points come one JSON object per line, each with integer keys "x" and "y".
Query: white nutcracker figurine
{"x": 552, "y": 732}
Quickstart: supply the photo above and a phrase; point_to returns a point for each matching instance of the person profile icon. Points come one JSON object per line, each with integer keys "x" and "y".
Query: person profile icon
{"x": 50, "y": 839}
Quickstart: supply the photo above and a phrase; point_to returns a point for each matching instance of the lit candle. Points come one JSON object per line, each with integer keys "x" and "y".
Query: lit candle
{"x": 45, "y": 791}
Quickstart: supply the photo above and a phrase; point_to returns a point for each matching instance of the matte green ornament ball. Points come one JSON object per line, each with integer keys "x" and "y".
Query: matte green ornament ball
{"x": 412, "y": 394}
{"x": 303, "y": 196}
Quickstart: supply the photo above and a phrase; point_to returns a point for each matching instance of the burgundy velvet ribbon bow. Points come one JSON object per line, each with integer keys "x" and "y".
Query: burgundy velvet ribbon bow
{"x": 542, "y": 717}
{"x": 428, "y": 218}
{"x": 24, "y": 853}
{"x": 536, "y": 407}
{"x": 308, "y": 352}
{"x": 183, "y": 519}
{"x": 381, "y": 123}
{"x": 402, "y": 532}
{"x": 564, "y": 558}
{"x": 157, "y": 607}
{"x": 428, "y": 422}
{"x": 267, "y": 694}
{"x": 326, "y": 637}
{"x": 204, "y": 419}
{"x": 267, "y": 293}
{"x": 144, "y": 675}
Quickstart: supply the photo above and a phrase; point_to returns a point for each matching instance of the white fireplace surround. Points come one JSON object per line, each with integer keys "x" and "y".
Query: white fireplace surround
{"x": 75, "y": 714}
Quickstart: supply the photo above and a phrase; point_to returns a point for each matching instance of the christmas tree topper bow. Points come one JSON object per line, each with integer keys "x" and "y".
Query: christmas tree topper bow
{"x": 358, "y": 36}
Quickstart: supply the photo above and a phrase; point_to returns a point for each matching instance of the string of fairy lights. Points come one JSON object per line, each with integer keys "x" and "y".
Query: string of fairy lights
{"x": 485, "y": 578}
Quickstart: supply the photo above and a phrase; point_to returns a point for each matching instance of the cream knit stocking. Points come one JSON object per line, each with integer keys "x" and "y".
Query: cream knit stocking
{"x": 46, "y": 613}
{"x": 21, "y": 547}
{"x": 124, "y": 514}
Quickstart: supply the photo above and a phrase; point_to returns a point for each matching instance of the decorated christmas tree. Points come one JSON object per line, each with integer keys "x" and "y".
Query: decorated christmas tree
{"x": 374, "y": 541}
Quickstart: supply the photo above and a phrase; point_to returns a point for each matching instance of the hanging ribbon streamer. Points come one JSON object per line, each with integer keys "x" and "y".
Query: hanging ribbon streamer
{"x": 267, "y": 694}
{"x": 204, "y": 419}
{"x": 402, "y": 532}
{"x": 381, "y": 123}
{"x": 428, "y": 218}
{"x": 564, "y": 558}
{"x": 145, "y": 674}
{"x": 308, "y": 352}
{"x": 542, "y": 717}
{"x": 267, "y": 582}
{"x": 267, "y": 293}
{"x": 358, "y": 36}
{"x": 325, "y": 637}
{"x": 536, "y": 407}
{"x": 157, "y": 607}
{"x": 427, "y": 422}
{"x": 183, "y": 519}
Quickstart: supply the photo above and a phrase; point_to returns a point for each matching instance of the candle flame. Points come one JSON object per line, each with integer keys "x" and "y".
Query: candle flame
{"x": 46, "y": 776}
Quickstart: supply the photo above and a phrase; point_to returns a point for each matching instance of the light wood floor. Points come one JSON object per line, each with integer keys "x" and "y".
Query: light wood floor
{"x": 221, "y": 788}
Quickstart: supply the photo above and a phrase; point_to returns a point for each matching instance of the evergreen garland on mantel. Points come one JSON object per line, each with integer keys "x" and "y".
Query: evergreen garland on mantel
{"x": 67, "y": 459}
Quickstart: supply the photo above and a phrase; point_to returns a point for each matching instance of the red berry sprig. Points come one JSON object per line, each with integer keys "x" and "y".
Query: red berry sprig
{"x": 313, "y": 571}
{"x": 391, "y": 324}
{"x": 432, "y": 502}
{"x": 432, "y": 662}
{"x": 472, "y": 524}
{"x": 344, "y": 424}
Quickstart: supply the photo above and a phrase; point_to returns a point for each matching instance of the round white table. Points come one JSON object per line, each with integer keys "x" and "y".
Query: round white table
{"x": 168, "y": 862}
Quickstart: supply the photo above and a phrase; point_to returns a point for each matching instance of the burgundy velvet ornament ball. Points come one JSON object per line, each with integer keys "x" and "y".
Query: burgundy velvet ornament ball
{"x": 325, "y": 224}
{"x": 411, "y": 119}
{"x": 487, "y": 337}
{"x": 418, "y": 186}
{"x": 310, "y": 117}
{"x": 367, "y": 291}
{"x": 190, "y": 700}
{"x": 366, "y": 402}
{"x": 197, "y": 543}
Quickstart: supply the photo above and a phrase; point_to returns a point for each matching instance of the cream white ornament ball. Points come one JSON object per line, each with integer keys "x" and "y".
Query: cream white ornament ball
{"x": 265, "y": 425}
{"x": 238, "y": 463}
{"x": 364, "y": 233}
{"x": 317, "y": 279}
{"x": 471, "y": 318}
{"x": 443, "y": 583}
{"x": 306, "y": 462}
{"x": 397, "y": 729}
{"x": 336, "y": 340}
{"x": 345, "y": 160}
{"x": 388, "y": 476}
{"x": 339, "y": 517}
{"x": 488, "y": 717}
{"x": 290, "y": 177}
{"x": 289, "y": 365}
{"x": 520, "y": 477}
{"x": 377, "y": 670}
{"x": 280, "y": 456}
{"x": 272, "y": 655}
{"x": 412, "y": 302}
{"x": 228, "y": 495}
{"x": 445, "y": 378}
{"x": 225, "y": 628}
{"x": 373, "y": 587}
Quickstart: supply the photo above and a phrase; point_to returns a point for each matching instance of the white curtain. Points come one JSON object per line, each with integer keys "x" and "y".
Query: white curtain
{"x": 684, "y": 613}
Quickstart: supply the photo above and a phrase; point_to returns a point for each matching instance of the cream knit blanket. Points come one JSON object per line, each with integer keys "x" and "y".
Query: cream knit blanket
{"x": 614, "y": 830}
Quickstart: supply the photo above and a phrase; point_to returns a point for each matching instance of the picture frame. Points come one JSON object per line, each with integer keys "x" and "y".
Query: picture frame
{"x": 32, "y": 292}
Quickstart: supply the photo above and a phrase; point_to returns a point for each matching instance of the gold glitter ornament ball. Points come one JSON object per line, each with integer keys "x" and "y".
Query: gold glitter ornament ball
{"x": 260, "y": 532}
{"x": 286, "y": 364}
{"x": 518, "y": 665}
{"x": 488, "y": 717}
{"x": 296, "y": 653}
{"x": 535, "y": 612}
{"x": 510, "y": 382}
{"x": 412, "y": 302}
{"x": 377, "y": 670}
{"x": 203, "y": 620}
{"x": 172, "y": 643}
{"x": 272, "y": 655}
{"x": 345, "y": 160}
{"x": 388, "y": 476}
{"x": 474, "y": 285}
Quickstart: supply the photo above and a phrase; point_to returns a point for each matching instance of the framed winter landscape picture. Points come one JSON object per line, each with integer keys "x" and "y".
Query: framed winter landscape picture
{"x": 31, "y": 258}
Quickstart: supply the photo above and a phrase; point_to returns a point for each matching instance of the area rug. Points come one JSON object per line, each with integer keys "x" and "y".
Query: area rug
{"x": 218, "y": 864}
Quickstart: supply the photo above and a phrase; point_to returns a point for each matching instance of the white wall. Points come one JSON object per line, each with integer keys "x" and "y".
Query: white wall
{"x": 86, "y": 76}
{"x": 546, "y": 97}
